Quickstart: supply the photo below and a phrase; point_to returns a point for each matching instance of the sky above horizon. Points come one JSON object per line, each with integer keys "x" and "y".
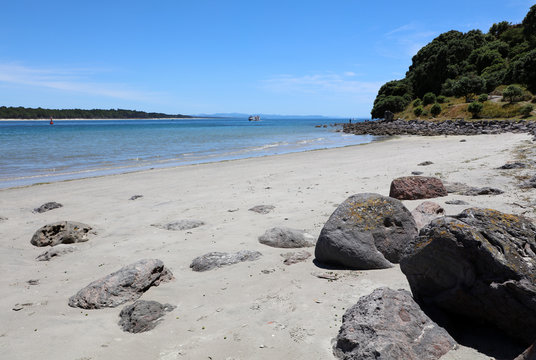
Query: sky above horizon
{"x": 191, "y": 57}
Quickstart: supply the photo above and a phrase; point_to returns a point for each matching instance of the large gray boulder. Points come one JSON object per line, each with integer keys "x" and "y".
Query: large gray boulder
{"x": 478, "y": 265}
{"x": 284, "y": 237}
{"x": 366, "y": 231}
{"x": 126, "y": 284}
{"x": 142, "y": 315}
{"x": 388, "y": 324}
{"x": 216, "y": 259}
{"x": 62, "y": 232}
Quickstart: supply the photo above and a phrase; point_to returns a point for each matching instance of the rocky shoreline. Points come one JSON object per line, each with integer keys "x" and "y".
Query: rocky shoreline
{"x": 446, "y": 127}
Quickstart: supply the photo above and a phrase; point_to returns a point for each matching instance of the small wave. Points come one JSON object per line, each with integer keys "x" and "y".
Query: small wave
{"x": 269, "y": 146}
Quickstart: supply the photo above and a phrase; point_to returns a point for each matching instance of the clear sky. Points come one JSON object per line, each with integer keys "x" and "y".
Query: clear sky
{"x": 214, "y": 56}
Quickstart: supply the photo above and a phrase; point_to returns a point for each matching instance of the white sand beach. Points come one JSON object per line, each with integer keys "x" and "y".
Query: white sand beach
{"x": 262, "y": 309}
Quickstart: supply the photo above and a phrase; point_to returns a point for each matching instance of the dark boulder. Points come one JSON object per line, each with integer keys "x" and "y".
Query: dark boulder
{"x": 218, "y": 259}
{"x": 388, "y": 324}
{"x": 62, "y": 232}
{"x": 283, "y": 237}
{"x": 126, "y": 284}
{"x": 366, "y": 231}
{"x": 47, "y": 207}
{"x": 142, "y": 315}
{"x": 417, "y": 187}
{"x": 478, "y": 265}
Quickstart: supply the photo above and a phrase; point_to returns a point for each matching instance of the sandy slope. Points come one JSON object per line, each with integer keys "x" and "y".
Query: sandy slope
{"x": 254, "y": 310}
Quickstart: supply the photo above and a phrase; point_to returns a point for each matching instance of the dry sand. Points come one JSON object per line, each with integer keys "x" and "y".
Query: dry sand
{"x": 253, "y": 310}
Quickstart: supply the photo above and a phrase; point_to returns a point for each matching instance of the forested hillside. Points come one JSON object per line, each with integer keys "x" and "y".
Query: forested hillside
{"x": 465, "y": 65}
{"x": 39, "y": 113}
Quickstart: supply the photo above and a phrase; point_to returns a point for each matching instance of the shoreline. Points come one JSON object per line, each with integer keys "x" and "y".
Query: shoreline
{"x": 260, "y": 309}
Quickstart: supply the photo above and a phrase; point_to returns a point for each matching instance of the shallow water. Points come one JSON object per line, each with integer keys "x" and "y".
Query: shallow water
{"x": 34, "y": 151}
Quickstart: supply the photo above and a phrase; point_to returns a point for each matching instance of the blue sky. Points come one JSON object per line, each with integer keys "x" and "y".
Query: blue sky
{"x": 200, "y": 56}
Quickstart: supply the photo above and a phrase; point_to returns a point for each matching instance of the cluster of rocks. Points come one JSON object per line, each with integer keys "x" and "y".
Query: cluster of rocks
{"x": 433, "y": 128}
{"x": 474, "y": 267}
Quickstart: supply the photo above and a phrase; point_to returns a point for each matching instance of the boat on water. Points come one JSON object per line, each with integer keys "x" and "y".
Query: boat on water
{"x": 51, "y": 122}
{"x": 254, "y": 118}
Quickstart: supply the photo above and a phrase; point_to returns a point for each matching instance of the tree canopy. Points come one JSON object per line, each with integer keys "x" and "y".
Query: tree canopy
{"x": 460, "y": 64}
{"x": 39, "y": 113}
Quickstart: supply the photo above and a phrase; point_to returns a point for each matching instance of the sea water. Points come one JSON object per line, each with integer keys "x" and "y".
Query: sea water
{"x": 35, "y": 151}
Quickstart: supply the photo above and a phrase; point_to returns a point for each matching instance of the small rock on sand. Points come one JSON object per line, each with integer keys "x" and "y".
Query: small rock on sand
{"x": 425, "y": 163}
{"x": 47, "y": 207}
{"x": 142, "y": 315}
{"x": 218, "y": 259}
{"x": 62, "y": 232}
{"x": 134, "y": 197}
{"x": 58, "y": 250}
{"x": 295, "y": 257}
{"x": 262, "y": 209}
{"x": 284, "y": 237}
{"x": 126, "y": 284}
{"x": 180, "y": 225}
{"x": 456, "y": 202}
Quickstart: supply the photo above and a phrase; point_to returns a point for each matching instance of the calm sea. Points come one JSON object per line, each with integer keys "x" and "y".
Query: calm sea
{"x": 34, "y": 151}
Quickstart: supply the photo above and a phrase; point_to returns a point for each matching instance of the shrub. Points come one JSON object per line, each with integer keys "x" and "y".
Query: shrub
{"x": 429, "y": 98}
{"x": 526, "y": 110}
{"x": 417, "y": 103}
{"x": 512, "y": 93}
{"x": 392, "y": 103}
{"x": 435, "y": 110}
{"x": 441, "y": 99}
{"x": 417, "y": 111}
{"x": 483, "y": 98}
{"x": 475, "y": 108}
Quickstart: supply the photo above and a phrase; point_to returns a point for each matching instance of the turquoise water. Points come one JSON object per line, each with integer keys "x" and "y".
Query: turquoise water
{"x": 34, "y": 151}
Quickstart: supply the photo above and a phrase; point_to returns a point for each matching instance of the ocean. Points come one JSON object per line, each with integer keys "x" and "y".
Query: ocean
{"x": 35, "y": 151}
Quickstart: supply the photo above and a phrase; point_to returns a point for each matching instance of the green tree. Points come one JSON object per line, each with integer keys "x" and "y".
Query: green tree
{"x": 483, "y": 98}
{"x": 475, "y": 108}
{"x": 417, "y": 102}
{"x": 435, "y": 110}
{"x": 526, "y": 110}
{"x": 417, "y": 111}
{"x": 428, "y": 98}
{"x": 512, "y": 93}
{"x": 391, "y": 103}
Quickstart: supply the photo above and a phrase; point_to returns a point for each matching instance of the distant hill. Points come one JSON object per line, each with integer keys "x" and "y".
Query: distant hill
{"x": 39, "y": 113}
{"x": 466, "y": 64}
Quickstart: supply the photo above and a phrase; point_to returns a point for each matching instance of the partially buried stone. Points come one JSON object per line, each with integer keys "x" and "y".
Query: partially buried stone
{"x": 283, "y": 237}
{"x": 388, "y": 324}
{"x": 214, "y": 260}
{"x": 416, "y": 173}
{"x": 135, "y": 197}
{"x": 513, "y": 165}
{"x": 425, "y": 163}
{"x": 478, "y": 265}
{"x": 180, "y": 225}
{"x": 55, "y": 251}
{"x": 126, "y": 284}
{"x": 142, "y": 315}
{"x": 366, "y": 231}
{"x": 47, "y": 207}
{"x": 262, "y": 209}
{"x": 295, "y": 257}
{"x": 456, "y": 202}
{"x": 62, "y": 232}
{"x": 426, "y": 212}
